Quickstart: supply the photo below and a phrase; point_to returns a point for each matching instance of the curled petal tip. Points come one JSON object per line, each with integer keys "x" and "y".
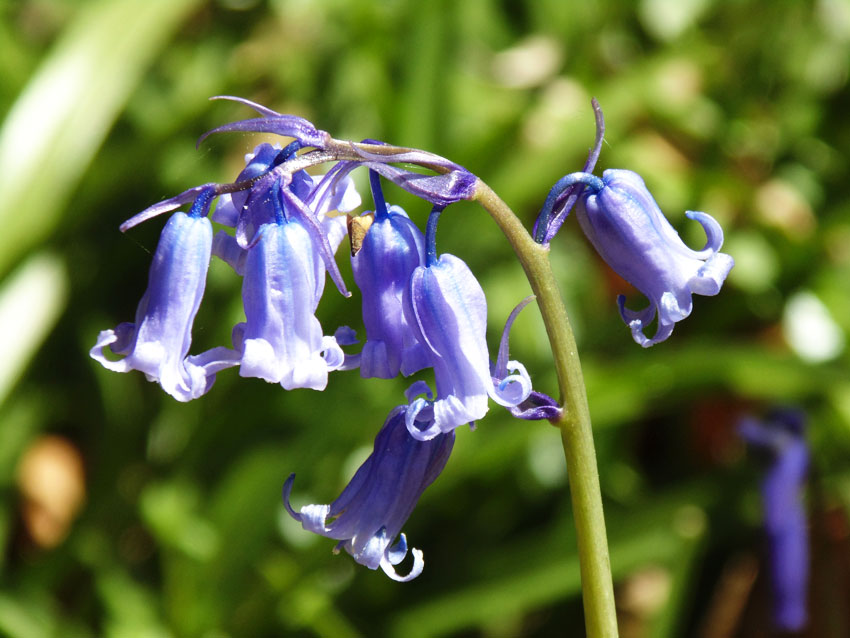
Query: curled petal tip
{"x": 287, "y": 492}
{"x": 416, "y": 570}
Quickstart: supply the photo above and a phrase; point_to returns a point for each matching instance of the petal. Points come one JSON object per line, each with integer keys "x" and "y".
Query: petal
{"x": 416, "y": 407}
{"x": 226, "y": 248}
{"x": 711, "y": 275}
{"x": 158, "y": 342}
{"x": 445, "y": 305}
{"x": 513, "y": 389}
{"x": 108, "y": 338}
{"x": 536, "y": 407}
{"x": 415, "y": 570}
{"x": 282, "y": 339}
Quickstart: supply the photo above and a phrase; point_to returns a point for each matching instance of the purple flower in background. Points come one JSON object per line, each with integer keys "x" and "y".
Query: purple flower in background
{"x": 446, "y": 307}
{"x": 782, "y": 437}
{"x": 370, "y": 512}
{"x": 158, "y": 342}
{"x": 391, "y": 249}
{"x": 629, "y": 231}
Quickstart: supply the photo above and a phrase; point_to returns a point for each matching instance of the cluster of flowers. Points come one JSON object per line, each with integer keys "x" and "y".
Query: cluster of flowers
{"x": 420, "y": 309}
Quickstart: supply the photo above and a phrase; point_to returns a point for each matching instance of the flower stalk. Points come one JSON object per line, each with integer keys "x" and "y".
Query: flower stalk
{"x": 573, "y": 422}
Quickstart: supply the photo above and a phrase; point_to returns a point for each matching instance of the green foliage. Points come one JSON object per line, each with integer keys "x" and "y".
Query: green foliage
{"x": 183, "y": 533}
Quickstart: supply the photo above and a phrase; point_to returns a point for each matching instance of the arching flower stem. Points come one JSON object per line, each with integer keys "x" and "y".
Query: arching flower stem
{"x": 573, "y": 422}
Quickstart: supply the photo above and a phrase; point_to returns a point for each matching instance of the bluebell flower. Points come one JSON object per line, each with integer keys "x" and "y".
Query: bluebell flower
{"x": 281, "y": 340}
{"x": 370, "y": 512}
{"x": 785, "y": 521}
{"x": 158, "y": 342}
{"x": 446, "y": 307}
{"x": 391, "y": 249}
{"x": 629, "y": 231}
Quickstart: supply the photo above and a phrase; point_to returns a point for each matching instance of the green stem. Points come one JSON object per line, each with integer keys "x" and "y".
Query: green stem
{"x": 574, "y": 423}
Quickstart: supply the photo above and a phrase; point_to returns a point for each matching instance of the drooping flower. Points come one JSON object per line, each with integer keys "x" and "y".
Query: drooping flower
{"x": 391, "y": 249}
{"x": 447, "y": 309}
{"x": 158, "y": 342}
{"x": 369, "y": 514}
{"x": 281, "y": 340}
{"x": 785, "y": 521}
{"x": 629, "y": 231}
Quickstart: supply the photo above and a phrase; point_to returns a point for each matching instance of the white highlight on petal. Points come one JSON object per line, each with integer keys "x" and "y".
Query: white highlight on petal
{"x": 810, "y": 330}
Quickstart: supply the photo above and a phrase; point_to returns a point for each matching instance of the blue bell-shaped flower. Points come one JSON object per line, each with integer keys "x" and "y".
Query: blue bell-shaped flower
{"x": 370, "y": 512}
{"x": 392, "y": 248}
{"x": 629, "y": 231}
{"x": 281, "y": 340}
{"x": 158, "y": 342}
{"x": 446, "y": 307}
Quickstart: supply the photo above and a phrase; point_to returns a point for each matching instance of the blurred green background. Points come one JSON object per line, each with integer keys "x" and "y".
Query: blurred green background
{"x": 127, "y": 514}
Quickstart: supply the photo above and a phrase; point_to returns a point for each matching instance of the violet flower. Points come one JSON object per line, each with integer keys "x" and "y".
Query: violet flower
{"x": 392, "y": 248}
{"x": 370, "y": 512}
{"x": 446, "y": 307}
{"x": 629, "y": 231}
{"x": 281, "y": 340}
{"x": 785, "y": 521}
{"x": 158, "y": 342}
